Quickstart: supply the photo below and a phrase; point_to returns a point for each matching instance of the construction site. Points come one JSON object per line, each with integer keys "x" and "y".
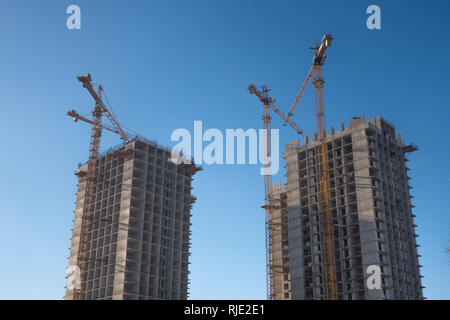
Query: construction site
{"x": 345, "y": 206}
{"x": 131, "y": 233}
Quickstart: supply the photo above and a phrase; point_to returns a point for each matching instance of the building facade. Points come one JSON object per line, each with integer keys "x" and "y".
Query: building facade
{"x": 280, "y": 244}
{"x": 372, "y": 214}
{"x": 139, "y": 235}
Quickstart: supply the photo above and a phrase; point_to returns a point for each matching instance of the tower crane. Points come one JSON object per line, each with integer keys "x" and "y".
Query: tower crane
{"x": 326, "y": 219}
{"x": 97, "y": 126}
{"x": 268, "y": 103}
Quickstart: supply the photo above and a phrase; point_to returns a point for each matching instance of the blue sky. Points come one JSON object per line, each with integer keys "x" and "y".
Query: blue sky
{"x": 164, "y": 64}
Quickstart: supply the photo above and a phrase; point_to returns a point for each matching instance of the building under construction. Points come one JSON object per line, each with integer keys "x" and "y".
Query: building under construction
{"x": 139, "y": 235}
{"x": 370, "y": 205}
{"x": 131, "y": 233}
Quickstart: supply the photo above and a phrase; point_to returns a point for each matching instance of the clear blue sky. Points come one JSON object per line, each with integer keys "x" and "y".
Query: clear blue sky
{"x": 164, "y": 64}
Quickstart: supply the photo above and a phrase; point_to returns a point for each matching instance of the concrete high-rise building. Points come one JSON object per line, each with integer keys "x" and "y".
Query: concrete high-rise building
{"x": 371, "y": 209}
{"x": 139, "y": 235}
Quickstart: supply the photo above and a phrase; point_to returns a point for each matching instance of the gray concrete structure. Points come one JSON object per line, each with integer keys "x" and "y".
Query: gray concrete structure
{"x": 280, "y": 238}
{"x": 371, "y": 208}
{"x": 139, "y": 237}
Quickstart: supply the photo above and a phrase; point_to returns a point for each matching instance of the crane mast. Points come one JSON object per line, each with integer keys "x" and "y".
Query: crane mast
{"x": 82, "y": 258}
{"x": 267, "y": 193}
{"x": 326, "y": 218}
{"x": 96, "y": 133}
{"x": 266, "y": 100}
{"x": 268, "y": 103}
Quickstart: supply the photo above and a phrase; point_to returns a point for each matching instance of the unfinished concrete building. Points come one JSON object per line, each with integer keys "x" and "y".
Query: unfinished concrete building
{"x": 139, "y": 235}
{"x": 371, "y": 208}
{"x": 280, "y": 244}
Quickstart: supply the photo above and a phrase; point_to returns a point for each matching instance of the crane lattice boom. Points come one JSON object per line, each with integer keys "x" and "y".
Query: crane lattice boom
{"x": 318, "y": 60}
{"x": 86, "y": 80}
